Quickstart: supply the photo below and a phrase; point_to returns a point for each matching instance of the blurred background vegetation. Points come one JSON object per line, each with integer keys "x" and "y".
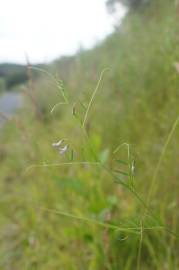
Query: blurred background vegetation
{"x": 12, "y": 75}
{"x": 79, "y": 216}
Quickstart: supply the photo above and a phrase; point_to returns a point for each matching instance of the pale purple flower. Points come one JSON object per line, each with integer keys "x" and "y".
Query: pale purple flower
{"x": 59, "y": 146}
{"x": 63, "y": 149}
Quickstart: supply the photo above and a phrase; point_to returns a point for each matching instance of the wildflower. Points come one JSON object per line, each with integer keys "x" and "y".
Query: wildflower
{"x": 62, "y": 149}
{"x": 57, "y": 144}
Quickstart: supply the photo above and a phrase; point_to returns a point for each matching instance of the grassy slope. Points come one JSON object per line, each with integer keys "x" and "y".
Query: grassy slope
{"x": 137, "y": 103}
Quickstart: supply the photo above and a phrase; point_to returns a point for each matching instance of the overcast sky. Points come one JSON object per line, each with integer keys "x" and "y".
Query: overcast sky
{"x": 46, "y": 29}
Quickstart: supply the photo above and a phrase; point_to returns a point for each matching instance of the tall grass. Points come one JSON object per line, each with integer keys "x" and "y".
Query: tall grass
{"x": 109, "y": 201}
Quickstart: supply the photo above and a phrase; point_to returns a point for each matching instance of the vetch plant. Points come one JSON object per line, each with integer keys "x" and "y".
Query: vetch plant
{"x": 122, "y": 171}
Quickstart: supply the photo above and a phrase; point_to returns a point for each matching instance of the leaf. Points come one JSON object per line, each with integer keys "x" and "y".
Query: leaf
{"x": 103, "y": 157}
{"x": 122, "y": 161}
{"x": 82, "y": 104}
{"x": 72, "y": 155}
{"x": 121, "y": 172}
{"x": 112, "y": 200}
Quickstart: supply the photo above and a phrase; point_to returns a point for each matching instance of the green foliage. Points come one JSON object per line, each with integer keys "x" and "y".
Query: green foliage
{"x": 15, "y": 79}
{"x": 14, "y": 74}
{"x": 129, "y": 3}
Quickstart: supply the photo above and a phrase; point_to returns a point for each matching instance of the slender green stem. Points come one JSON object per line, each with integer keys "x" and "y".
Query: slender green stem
{"x": 45, "y": 72}
{"x": 140, "y": 247}
{"x": 161, "y": 159}
{"x": 135, "y": 230}
{"x": 93, "y": 96}
{"x": 60, "y": 164}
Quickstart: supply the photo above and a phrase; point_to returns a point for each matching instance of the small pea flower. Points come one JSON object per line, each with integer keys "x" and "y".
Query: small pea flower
{"x": 57, "y": 144}
{"x": 63, "y": 149}
{"x": 59, "y": 147}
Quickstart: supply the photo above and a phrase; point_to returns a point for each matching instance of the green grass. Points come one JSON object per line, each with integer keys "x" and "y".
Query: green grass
{"x": 111, "y": 201}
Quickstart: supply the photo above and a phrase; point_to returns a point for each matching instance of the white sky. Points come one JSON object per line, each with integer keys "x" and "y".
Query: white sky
{"x": 46, "y": 29}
